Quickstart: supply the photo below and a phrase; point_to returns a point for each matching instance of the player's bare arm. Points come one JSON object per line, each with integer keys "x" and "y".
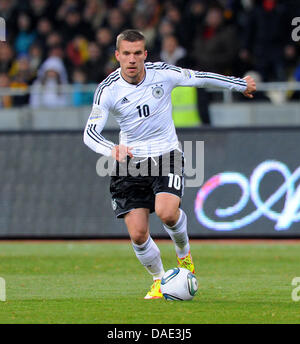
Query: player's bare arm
{"x": 251, "y": 87}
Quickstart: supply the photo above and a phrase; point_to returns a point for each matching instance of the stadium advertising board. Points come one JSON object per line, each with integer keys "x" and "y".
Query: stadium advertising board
{"x": 250, "y": 185}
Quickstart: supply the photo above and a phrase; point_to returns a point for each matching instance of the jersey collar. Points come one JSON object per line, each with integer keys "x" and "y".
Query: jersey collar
{"x": 132, "y": 85}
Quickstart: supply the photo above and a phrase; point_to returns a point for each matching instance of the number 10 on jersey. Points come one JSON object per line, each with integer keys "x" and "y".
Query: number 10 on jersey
{"x": 144, "y": 110}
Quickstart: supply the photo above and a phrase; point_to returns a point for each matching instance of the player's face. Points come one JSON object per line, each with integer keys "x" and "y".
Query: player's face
{"x": 132, "y": 56}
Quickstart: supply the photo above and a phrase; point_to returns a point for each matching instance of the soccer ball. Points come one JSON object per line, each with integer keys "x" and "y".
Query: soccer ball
{"x": 179, "y": 284}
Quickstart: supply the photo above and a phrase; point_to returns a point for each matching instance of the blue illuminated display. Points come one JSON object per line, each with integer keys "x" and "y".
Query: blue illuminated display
{"x": 250, "y": 192}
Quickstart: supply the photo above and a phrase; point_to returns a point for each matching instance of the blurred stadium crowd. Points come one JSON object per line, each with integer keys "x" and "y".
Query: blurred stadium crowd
{"x": 51, "y": 43}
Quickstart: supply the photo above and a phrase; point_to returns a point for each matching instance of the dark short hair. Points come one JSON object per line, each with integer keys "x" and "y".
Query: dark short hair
{"x": 130, "y": 36}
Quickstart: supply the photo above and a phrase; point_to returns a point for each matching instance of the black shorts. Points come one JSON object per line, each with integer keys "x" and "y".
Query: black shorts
{"x": 163, "y": 174}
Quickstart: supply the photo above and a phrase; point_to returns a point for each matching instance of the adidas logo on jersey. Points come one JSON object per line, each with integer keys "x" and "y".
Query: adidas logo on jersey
{"x": 124, "y": 101}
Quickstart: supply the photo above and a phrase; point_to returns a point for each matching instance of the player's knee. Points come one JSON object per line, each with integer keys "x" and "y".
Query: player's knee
{"x": 138, "y": 231}
{"x": 167, "y": 216}
{"x": 139, "y": 239}
{"x": 139, "y": 236}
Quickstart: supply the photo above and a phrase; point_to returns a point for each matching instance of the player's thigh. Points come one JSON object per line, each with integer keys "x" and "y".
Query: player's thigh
{"x": 137, "y": 222}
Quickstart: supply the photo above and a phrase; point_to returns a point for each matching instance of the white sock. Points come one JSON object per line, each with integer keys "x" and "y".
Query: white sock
{"x": 149, "y": 255}
{"x": 178, "y": 234}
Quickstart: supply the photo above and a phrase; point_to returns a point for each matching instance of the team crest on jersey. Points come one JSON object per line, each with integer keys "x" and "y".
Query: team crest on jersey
{"x": 157, "y": 91}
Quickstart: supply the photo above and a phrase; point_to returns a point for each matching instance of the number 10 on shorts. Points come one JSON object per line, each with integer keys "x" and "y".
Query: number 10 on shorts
{"x": 174, "y": 181}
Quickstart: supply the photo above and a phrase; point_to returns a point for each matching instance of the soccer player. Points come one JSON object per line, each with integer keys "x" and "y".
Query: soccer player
{"x": 138, "y": 95}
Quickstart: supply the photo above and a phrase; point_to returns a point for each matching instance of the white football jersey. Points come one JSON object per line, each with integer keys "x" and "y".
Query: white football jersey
{"x": 144, "y": 111}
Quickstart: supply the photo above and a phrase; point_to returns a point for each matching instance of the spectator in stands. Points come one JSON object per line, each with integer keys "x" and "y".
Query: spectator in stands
{"x": 72, "y": 26}
{"x": 6, "y": 57}
{"x": 5, "y": 101}
{"x": 267, "y": 32}
{"x": 115, "y": 21}
{"x": 207, "y": 32}
{"x": 41, "y": 9}
{"x": 21, "y": 79}
{"x": 165, "y": 28}
{"x": 215, "y": 49}
{"x": 21, "y": 69}
{"x": 194, "y": 15}
{"x": 152, "y": 9}
{"x": 140, "y": 22}
{"x": 215, "y": 45}
{"x": 64, "y": 7}
{"x": 54, "y": 39}
{"x": 94, "y": 13}
{"x": 26, "y": 34}
{"x": 43, "y": 28}
{"x": 46, "y": 90}
{"x": 105, "y": 40}
{"x": 55, "y": 47}
{"x": 127, "y": 7}
{"x": 94, "y": 66}
{"x": 77, "y": 51}
{"x": 80, "y": 96}
{"x": 35, "y": 58}
{"x": 291, "y": 59}
{"x": 172, "y": 52}
{"x": 173, "y": 15}
{"x": 59, "y": 52}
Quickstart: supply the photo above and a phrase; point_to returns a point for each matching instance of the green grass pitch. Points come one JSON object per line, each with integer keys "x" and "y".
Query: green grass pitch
{"x": 102, "y": 282}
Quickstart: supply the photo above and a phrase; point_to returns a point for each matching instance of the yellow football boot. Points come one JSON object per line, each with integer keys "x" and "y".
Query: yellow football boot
{"x": 186, "y": 262}
{"x": 154, "y": 292}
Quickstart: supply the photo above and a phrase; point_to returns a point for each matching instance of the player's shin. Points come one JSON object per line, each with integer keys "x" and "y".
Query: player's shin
{"x": 178, "y": 234}
{"x": 149, "y": 255}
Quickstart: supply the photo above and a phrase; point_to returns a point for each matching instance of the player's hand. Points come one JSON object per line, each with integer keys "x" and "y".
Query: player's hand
{"x": 120, "y": 152}
{"x": 251, "y": 86}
